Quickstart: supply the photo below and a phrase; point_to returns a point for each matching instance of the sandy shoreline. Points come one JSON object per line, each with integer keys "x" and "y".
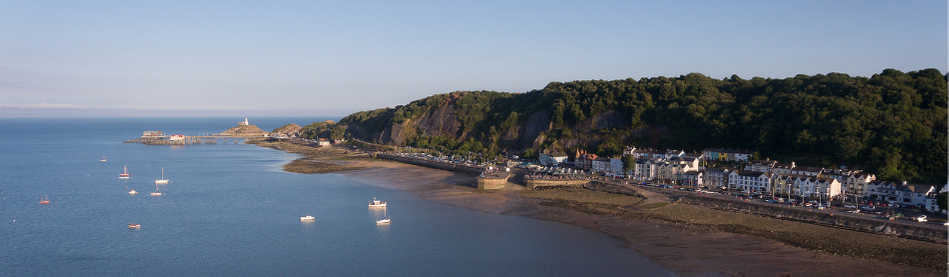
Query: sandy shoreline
{"x": 675, "y": 236}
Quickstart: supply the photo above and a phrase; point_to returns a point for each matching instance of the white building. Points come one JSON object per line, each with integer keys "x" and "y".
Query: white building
{"x": 601, "y": 165}
{"x": 750, "y": 181}
{"x": 616, "y": 167}
{"x": 693, "y": 178}
{"x": 554, "y": 159}
{"x": 914, "y": 194}
{"x": 815, "y": 187}
{"x": 717, "y": 176}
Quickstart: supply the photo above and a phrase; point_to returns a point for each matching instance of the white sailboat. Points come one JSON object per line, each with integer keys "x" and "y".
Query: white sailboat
{"x": 384, "y": 220}
{"x": 157, "y": 193}
{"x": 162, "y": 181}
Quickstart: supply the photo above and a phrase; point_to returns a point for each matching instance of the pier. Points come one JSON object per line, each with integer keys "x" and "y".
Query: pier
{"x": 186, "y": 140}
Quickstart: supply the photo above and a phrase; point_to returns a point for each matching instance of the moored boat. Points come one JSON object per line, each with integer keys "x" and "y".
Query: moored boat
{"x": 307, "y": 218}
{"x": 135, "y": 226}
{"x": 103, "y": 159}
{"x": 125, "y": 175}
{"x": 157, "y": 192}
{"x": 376, "y": 203}
{"x": 162, "y": 181}
{"x": 133, "y": 192}
{"x": 384, "y": 220}
{"x": 44, "y": 200}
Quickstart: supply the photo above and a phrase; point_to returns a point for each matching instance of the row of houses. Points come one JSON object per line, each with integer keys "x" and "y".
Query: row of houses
{"x": 762, "y": 176}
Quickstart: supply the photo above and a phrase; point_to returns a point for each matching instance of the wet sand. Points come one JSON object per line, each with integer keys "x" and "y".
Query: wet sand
{"x": 686, "y": 239}
{"x": 687, "y": 249}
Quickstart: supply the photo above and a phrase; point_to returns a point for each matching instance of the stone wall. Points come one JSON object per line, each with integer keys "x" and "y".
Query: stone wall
{"x": 533, "y": 183}
{"x": 921, "y": 231}
{"x": 494, "y": 182}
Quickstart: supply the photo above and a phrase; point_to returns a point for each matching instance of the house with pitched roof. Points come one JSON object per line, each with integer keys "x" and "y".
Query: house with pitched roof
{"x": 750, "y": 181}
{"x": 914, "y": 194}
{"x": 717, "y": 176}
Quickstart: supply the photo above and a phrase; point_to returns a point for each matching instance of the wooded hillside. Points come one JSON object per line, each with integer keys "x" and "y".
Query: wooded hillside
{"x": 892, "y": 124}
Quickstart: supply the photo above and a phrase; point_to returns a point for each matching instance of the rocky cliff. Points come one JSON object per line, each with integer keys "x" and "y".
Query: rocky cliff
{"x": 286, "y": 129}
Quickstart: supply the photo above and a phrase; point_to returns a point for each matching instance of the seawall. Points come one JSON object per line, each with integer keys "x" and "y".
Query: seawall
{"x": 927, "y": 232}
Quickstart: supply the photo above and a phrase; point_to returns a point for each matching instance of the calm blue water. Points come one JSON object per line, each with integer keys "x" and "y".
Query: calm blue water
{"x": 230, "y": 210}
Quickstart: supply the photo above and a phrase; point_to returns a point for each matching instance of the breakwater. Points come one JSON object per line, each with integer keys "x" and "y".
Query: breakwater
{"x": 920, "y": 231}
{"x": 183, "y": 141}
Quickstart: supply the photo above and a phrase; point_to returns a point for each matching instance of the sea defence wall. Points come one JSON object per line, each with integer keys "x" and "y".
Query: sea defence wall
{"x": 453, "y": 167}
{"x": 921, "y": 231}
{"x": 535, "y": 183}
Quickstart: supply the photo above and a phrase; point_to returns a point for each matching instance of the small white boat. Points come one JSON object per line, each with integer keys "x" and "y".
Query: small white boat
{"x": 103, "y": 159}
{"x": 384, "y": 220}
{"x": 135, "y": 226}
{"x": 307, "y": 218}
{"x": 125, "y": 175}
{"x": 133, "y": 192}
{"x": 162, "y": 181}
{"x": 157, "y": 192}
{"x": 376, "y": 203}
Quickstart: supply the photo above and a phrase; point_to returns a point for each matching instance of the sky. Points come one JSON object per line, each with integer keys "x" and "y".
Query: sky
{"x": 333, "y": 58}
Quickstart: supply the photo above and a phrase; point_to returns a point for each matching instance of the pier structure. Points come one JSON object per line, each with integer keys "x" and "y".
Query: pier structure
{"x": 187, "y": 140}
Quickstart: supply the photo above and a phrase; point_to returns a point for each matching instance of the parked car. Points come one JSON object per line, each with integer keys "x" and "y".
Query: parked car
{"x": 922, "y": 218}
{"x": 850, "y": 206}
{"x": 868, "y": 208}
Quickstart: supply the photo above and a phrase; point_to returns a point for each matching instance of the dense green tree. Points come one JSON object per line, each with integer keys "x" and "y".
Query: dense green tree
{"x": 893, "y": 123}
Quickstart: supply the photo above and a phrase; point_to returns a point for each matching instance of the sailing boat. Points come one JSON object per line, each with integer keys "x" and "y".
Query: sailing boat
{"x": 156, "y": 193}
{"x": 384, "y": 220}
{"x": 44, "y": 200}
{"x": 126, "y": 174}
{"x": 162, "y": 181}
{"x": 103, "y": 159}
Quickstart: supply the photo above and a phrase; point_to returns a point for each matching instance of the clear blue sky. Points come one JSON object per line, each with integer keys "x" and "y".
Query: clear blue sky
{"x": 153, "y": 58}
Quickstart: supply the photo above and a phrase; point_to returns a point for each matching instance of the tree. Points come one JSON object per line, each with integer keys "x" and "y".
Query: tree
{"x": 941, "y": 201}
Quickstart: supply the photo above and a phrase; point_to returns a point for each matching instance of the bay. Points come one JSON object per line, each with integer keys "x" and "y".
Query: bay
{"x": 231, "y": 210}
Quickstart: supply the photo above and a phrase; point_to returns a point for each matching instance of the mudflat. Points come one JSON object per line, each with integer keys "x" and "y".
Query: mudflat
{"x": 688, "y": 239}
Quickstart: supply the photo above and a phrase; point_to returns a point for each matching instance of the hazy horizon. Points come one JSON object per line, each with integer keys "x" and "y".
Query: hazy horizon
{"x": 333, "y": 59}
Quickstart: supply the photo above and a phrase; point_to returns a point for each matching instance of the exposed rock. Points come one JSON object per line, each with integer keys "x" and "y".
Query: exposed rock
{"x": 286, "y": 129}
{"x": 244, "y": 131}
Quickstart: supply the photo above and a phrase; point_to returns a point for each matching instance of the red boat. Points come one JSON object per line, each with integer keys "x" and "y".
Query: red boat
{"x": 44, "y": 201}
{"x": 126, "y": 174}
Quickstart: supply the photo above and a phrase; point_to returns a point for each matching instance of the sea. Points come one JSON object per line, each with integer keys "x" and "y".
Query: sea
{"x": 230, "y": 210}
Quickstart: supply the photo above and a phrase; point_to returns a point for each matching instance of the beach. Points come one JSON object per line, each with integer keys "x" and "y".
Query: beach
{"x": 689, "y": 240}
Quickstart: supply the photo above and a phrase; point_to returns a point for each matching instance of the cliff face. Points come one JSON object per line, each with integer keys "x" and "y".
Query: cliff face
{"x": 445, "y": 120}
